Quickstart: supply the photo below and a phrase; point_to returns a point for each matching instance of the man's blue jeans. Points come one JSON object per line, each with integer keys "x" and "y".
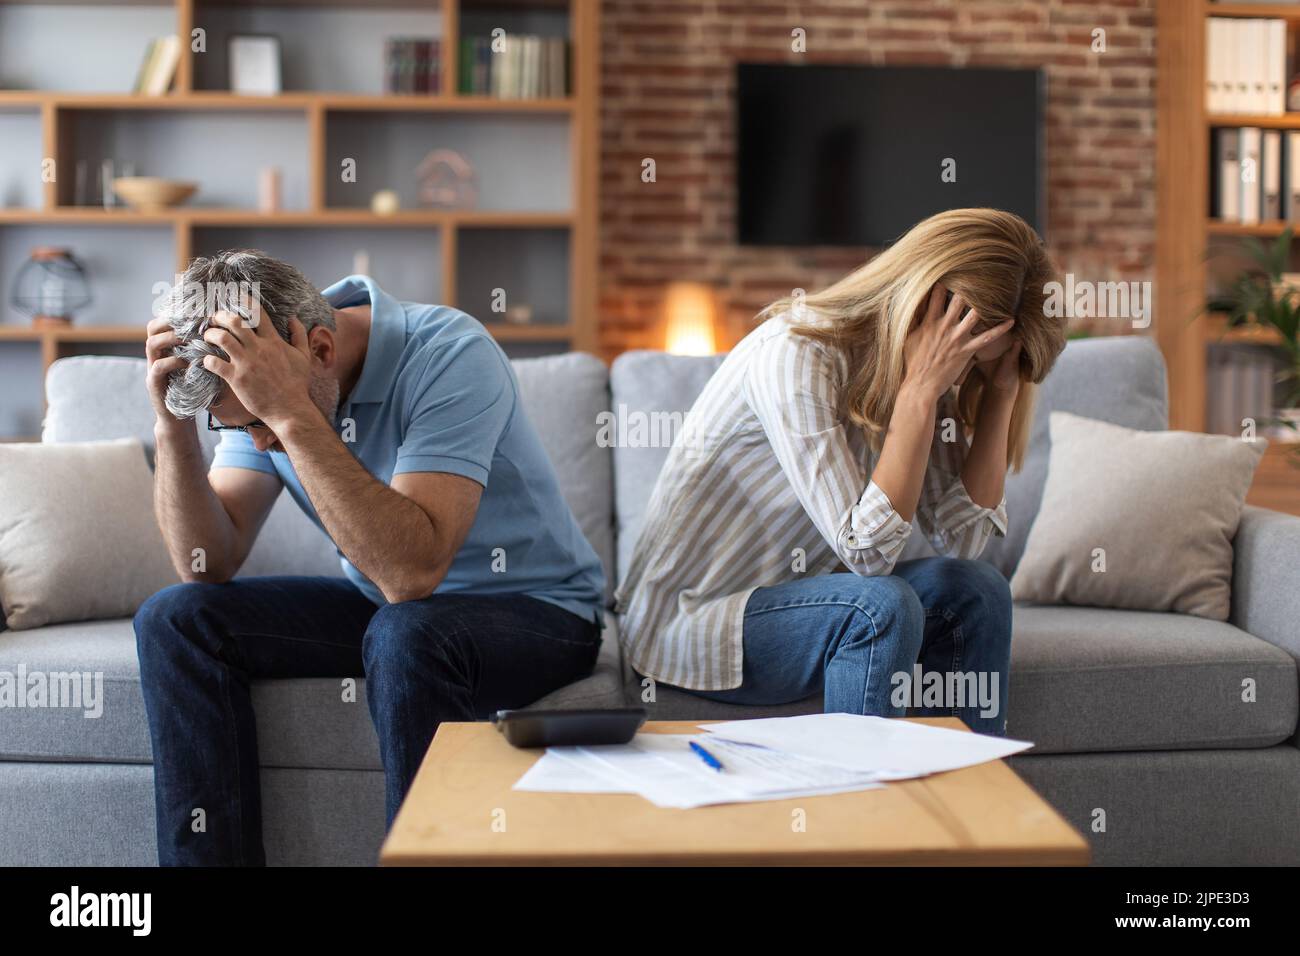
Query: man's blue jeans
{"x": 447, "y": 657}
{"x": 857, "y": 640}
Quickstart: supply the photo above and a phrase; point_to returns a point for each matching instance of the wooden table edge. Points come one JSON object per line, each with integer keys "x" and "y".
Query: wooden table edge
{"x": 1079, "y": 854}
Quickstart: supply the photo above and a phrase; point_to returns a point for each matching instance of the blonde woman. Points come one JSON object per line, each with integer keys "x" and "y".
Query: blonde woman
{"x": 899, "y": 396}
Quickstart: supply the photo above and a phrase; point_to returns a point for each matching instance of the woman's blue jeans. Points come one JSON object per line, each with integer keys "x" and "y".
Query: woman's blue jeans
{"x": 859, "y": 640}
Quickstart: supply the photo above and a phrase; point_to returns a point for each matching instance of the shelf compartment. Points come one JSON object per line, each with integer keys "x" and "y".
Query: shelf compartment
{"x": 177, "y": 145}
{"x": 531, "y": 266}
{"x": 321, "y": 48}
{"x": 388, "y": 153}
{"x": 122, "y": 275}
{"x": 405, "y": 264}
{"x": 98, "y": 49}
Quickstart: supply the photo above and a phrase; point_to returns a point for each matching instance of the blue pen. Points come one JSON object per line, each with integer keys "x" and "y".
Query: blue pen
{"x": 707, "y": 757}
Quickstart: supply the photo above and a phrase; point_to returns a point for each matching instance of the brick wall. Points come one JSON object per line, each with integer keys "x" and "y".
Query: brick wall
{"x": 668, "y": 93}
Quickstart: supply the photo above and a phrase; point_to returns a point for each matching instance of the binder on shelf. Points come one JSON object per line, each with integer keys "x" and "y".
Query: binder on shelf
{"x": 1271, "y": 176}
{"x": 1229, "y": 93}
{"x": 1244, "y": 53}
{"x": 1252, "y": 58}
{"x": 1275, "y": 69}
{"x": 1251, "y": 144}
{"x": 1227, "y": 172}
{"x": 1246, "y": 65}
{"x": 1291, "y": 208}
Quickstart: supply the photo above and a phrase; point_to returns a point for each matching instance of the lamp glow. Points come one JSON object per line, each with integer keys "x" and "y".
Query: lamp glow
{"x": 690, "y": 310}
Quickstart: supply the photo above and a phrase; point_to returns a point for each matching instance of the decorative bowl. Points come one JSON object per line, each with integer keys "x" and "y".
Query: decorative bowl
{"x": 151, "y": 194}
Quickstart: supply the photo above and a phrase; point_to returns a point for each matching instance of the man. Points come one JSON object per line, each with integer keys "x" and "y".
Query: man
{"x": 398, "y": 429}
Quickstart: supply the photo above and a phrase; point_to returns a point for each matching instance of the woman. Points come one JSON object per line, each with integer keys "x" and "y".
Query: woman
{"x": 824, "y": 435}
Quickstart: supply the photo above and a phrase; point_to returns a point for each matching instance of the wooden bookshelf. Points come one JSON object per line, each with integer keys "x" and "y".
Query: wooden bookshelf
{"x": 1184, "y": 229}
{"x": 313, "y": 109}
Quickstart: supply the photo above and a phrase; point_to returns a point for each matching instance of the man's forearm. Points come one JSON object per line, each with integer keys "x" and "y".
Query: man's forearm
{"x": 386, "y": 536}
{"x": 189, "y": 513}
{"x": 985, "y": 469}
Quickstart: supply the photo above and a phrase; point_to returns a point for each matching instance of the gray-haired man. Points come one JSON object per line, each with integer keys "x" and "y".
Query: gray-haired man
{"x": 444, "y": 474}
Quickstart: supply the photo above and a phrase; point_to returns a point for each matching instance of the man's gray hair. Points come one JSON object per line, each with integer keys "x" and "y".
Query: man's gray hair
{"x": 243, "y": 282}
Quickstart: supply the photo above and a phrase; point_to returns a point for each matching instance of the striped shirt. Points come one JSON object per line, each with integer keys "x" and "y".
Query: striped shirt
{"x": 766, "y": 483}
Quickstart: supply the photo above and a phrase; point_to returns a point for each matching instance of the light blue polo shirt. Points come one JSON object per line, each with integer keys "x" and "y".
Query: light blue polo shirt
{"x": 437, "y": 394}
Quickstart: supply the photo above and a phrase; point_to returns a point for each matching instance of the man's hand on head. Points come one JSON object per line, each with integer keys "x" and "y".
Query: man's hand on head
{"x": 270, "y": 377}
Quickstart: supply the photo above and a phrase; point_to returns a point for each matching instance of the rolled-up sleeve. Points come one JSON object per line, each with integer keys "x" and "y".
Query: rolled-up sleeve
{"x": 954, "y": 525}
{"x": 792, "y": 386}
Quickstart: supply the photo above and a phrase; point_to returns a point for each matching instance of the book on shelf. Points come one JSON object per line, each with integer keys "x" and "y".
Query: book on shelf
{"x": 412, "y": 65}
{"x": 1245, "y": 65}
{"x": 158, "y": 68}
{"x": 527, "y": 67}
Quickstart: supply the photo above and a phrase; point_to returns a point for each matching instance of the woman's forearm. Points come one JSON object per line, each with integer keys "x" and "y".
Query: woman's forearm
{"x": 900, "y": 470}
{"x": 985, "y": 470}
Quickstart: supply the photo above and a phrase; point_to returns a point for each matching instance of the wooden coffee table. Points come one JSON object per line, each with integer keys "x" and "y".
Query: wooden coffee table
{"x": 462, "y": 811}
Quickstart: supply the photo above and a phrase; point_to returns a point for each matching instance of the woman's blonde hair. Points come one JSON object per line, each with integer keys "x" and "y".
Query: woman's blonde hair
{"x": 992, "y": 259}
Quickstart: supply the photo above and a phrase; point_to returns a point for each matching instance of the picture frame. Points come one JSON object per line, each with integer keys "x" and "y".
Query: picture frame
{"x": 255, "y": 64}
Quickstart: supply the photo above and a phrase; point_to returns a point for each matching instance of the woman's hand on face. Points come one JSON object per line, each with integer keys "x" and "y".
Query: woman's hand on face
{"x": 941, "y": 348}
{"x": 1003, "y": 372}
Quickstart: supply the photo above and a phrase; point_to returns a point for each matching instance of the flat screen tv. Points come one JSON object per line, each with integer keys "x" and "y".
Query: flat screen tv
{"x": 855, "y": 155}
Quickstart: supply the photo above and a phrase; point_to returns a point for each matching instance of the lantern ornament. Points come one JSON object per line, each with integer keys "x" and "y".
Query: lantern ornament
{"x": 50, "y": 287}
{"x": 447, "y": 180}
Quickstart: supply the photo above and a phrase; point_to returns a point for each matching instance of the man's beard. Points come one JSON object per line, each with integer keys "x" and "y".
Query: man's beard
{"x": 324, "y": 393}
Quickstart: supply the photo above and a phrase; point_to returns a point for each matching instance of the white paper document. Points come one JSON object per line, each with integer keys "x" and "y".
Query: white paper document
{"x": 664, "y": 770}
{"x": 890, "y": 749}
{"x": 767, "y": 759}
{"x": 556, "y": 773}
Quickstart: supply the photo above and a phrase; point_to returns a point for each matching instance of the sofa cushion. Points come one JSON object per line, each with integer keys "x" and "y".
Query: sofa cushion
{"x": 78, "y": 539}
{"x": 651, "y": 392}
{"x": 1118, "y": 496}
{"x": 1096, "y": 679}
{"x": 302, "y": 723}
{"x": 1091, "y": 679}
{"x": 564, "y": 396}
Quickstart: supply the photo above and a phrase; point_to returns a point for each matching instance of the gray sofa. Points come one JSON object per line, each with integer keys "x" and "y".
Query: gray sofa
{"x": 1142, "y": 739}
